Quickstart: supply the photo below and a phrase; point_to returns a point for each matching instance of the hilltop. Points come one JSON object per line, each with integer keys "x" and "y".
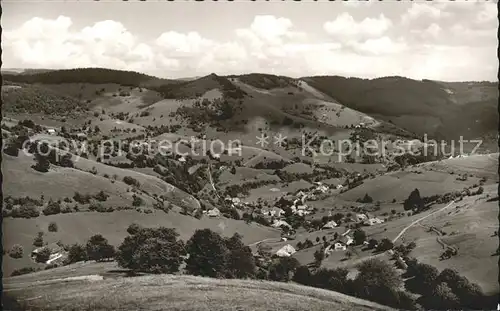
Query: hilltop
{"x": 178, "y": 292}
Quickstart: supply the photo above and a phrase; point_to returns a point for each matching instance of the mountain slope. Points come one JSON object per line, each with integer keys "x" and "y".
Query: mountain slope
{"x": 423, "y": 107}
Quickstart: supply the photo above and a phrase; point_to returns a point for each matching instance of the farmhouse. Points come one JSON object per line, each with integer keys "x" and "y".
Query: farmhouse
{"x": 280, "y": 223}
{"x": 348, "y": 240}
{"x": 215, "y": 212}
{"x": 330, "y": 225}
{"x": 361, "y": 217}
{"x": 286, "y": 251}
{"x": 373, "y": 221}
{"x": 51, "y": 131}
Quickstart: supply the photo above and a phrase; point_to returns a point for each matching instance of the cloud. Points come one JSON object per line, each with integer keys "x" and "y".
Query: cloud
{"x": 434, "y": 41}
{"x": 346, "y": 28}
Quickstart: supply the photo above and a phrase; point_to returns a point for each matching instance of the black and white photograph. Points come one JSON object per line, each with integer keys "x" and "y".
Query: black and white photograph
{"x": 250, "y": 155}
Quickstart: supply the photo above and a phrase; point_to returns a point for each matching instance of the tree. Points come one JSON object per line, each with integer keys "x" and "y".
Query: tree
{"x": 317, "y": 239}
{"x": 208, "y": 254}
{"x": 38, "y": 241}
{"x": 385, "y": 245}
{"x": 43, "y": 255}
{"x": 52, "y": 227}
{"x": 76, "y": 253}
{"x": 282, "y": 267}
{"x": 372, "y": 243}
{"x": 414, "y": 202}
{"x": 377, "y": 273}
{"x": 359, "y": 236}
{"x": 366, "y": 199}
{"x": 335, "y": 279}
{"x": 152, "y": 250}
{"x": 319, "y": 255}
{"x": 99, "y": 249}
{"x": 302, "y": 275}
{"x": 133, "y": 229}
{"x": 42, "y": 164}
{"x": 233, "y": 170}
{"x": 338, "y": 217}
{"x": 240, "y": 261}
{"x": 16, "y": 251}
{"x": 443, "y": 298}
{"x": 425, "y": 277}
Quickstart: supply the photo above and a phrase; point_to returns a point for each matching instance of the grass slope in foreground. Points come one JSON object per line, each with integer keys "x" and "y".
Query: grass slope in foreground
{"x": 171, "y": 292}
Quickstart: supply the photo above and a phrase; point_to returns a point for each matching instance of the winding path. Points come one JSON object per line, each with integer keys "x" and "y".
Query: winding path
{"x": 420, "y": 219}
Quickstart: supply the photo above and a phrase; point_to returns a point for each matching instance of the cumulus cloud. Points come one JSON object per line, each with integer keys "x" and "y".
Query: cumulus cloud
{"x": 345, "y": 27}
{"x": 430, "y": 40}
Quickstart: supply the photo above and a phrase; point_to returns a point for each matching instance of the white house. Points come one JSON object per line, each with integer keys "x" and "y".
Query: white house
{"x": 51, "y": 131}
{"x": 373, "y": 221}
{"x": 286, "y": 251}
{"x": 280, "y": 223}
{"x": 348, "y": 240}
{"x": 215, "y": 212}
{"x": 339, "y": 246}
{"x": 330, "y": 225}
{"x": 361, "y": 217}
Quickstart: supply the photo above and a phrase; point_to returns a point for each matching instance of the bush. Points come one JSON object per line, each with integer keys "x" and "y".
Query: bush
{"x": 53, "y": 208}
{"x": 76, "y": 253}
{"x": 131, "y": 181}
{"x": 22, "y": 271}
{"x": 52, "y": 227}
{"x": 151, "y": 250}
{"x": 28, "y": 210}
{"x": 133, "y": 229}
{"x": 16, "y": 251}
{"x": 137, "y": 200}
{"x": 366, "y": 199}
{"x": 99, "y": 249}
{"x": 82, "y": 198}
{"x": 101, "y": 196}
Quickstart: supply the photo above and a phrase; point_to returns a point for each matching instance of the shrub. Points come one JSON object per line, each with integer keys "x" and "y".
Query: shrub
{"x": 82, "y": 198}
{"x": 99, "y": 249}
{"x": 133, "y": 229}
{"x": 101, "y": 196}
{"x": 28, "y": 210}
{"x": 53, "y": 208}
{"x": 16, "y": 251}
{"x": 52, "y": 227}
{"x": 137, "y": 200}
{"x": 131, "y": 181}
{"x": 22, "y": 271}
{"x": 151, "y": 250}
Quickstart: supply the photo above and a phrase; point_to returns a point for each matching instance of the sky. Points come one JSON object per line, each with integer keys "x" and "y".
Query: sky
{"x": 438, "y": 40}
